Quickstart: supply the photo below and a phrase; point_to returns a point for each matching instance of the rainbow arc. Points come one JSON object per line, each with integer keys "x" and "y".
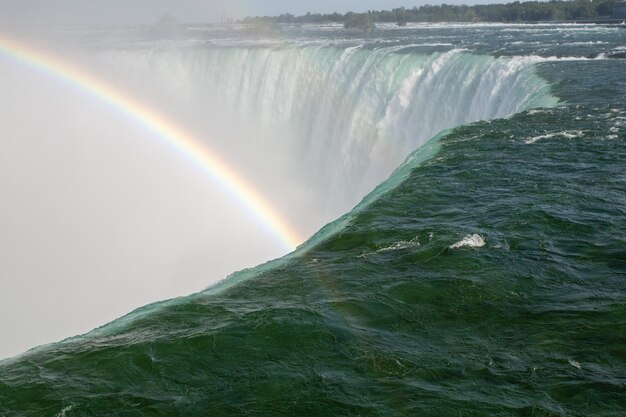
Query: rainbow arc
{"x": 161, "y": 127}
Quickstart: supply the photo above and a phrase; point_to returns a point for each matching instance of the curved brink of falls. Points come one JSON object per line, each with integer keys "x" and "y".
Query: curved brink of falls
{"x": 485, "y": 275}
{"x": 332, "y": 121}
{"x": 338, "y": 121}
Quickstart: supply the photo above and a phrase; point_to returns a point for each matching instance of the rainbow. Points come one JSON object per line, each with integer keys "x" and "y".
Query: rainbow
{"x": 159, "y": 125}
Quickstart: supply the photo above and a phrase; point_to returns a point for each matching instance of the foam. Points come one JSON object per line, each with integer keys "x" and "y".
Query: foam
{"x": 568, "y": 134}
{"x": 472, "y": 241}
{"x": 402, "y": 244}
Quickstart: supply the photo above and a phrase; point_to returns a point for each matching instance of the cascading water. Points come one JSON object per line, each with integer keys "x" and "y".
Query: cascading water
{"x": 313, "y": 128}
{"x": 485, "y": 274}
{"x": 326, "y": 123}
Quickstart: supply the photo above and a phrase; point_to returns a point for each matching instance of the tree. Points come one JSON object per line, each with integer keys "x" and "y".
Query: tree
{"x": 358, "y": 21}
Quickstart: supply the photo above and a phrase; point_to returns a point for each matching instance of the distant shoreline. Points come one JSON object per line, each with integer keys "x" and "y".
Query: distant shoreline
{"x": 555, "y": 11}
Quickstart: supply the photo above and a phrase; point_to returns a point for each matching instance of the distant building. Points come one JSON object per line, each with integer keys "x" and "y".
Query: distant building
{"x": 619, "y": 10}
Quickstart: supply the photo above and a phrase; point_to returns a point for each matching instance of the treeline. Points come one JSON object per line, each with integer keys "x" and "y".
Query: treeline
{"x": 531, "y": 11}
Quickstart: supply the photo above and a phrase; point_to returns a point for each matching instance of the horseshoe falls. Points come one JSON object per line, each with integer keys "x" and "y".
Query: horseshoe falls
{"x": 335, "y": 121}
{"x": 462, "y": 188}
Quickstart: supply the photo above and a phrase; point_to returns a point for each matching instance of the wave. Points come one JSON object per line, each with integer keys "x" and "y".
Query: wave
{"x": 385, "y": 317}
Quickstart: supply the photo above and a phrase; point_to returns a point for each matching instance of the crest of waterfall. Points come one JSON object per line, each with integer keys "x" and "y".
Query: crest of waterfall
{"x": 328, "y": 124}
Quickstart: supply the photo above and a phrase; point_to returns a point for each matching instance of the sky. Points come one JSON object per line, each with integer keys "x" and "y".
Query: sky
{"x": 188, "y": 11}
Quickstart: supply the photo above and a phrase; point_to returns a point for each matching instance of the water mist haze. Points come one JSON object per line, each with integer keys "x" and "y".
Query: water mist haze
{"x": 99, "y": 216}
{"x": 145, "y": 12}
{"x": 477, "y": 268}
{"x": 114, "y": 12}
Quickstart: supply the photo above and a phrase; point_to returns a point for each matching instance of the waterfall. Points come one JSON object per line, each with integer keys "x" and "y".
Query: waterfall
{"x": 98, "y": 219}
{"x": 328, "y": 124}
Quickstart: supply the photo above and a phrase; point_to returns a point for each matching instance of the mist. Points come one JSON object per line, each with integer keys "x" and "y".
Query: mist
{"x": 100, "y": 216}
{"x": 113, "y": 12}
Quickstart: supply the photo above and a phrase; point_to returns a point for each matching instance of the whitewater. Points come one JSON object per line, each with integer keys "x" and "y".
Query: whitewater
{"x": 312, "y": 127}
{"x": 461, "y": 185}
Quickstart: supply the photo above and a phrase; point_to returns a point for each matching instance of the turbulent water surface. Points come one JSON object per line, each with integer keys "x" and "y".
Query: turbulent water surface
{"x": 483, "y": 275}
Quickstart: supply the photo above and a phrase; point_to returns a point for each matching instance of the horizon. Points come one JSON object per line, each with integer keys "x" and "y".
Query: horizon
{"x": 76, "y": 12}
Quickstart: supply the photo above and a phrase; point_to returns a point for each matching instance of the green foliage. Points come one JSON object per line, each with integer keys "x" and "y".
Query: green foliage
{"x": 530, "y": 11}
{"x": 358, "y": 21}
{"x": 262, "y": 27}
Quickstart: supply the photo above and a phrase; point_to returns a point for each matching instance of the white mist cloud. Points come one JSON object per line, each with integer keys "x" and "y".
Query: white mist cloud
{"x": 111, "y": 11}
{"x": 99, "y": 216}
